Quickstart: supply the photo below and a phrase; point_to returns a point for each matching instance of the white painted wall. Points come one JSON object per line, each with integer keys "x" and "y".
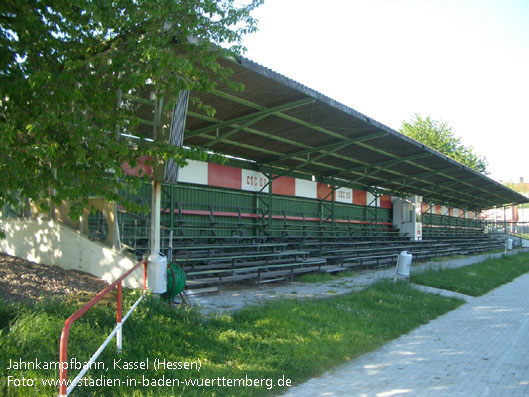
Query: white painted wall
{"x": 306, "y": 188}
{"x": 254, "y": 181}
{"x": 370, "y": 198}
{"x": 344, "y": 195}
{"x": 51, "y": 243}
{"x": 194, "y": 172}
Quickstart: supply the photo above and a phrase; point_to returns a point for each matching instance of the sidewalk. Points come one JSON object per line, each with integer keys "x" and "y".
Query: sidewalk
{"x": 479, "y": 349}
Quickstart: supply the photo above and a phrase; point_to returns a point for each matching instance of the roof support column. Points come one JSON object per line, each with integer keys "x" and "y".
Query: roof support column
{"x": 270, "y": 197}
{"x": 505, "y": 219}
{"x": 333, "y": 214}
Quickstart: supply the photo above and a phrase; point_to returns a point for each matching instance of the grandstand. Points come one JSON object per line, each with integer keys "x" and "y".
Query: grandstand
{"x": 306, "y": 184}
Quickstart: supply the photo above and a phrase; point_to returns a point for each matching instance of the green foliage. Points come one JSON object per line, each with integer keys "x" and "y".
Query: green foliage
{"x": 439, "y": 136}
{"x": 477, "y": 279}
{"x": 7, "y": 313}
{"x": 520, "y": 187}
{"x": 282, "y": 339}
{"x": 62, "y": 64}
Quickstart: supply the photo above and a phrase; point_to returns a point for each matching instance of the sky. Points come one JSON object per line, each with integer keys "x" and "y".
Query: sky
{"x": 464, "y": 62}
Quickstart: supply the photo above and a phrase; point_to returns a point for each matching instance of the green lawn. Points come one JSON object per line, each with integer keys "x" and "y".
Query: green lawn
{"x": 477, "y": 279}
{"x": 324, "y": 276}
{"x": 278, "y": 342}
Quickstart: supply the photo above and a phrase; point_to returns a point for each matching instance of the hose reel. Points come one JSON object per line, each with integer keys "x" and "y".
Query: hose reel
{"x": 176, "y": 281}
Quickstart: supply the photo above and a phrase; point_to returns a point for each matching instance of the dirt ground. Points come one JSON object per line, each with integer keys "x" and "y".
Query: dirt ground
{"x": 22, "y": 281}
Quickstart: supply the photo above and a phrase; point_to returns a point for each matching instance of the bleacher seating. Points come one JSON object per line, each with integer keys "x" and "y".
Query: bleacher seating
{"x": 216, "y": 246}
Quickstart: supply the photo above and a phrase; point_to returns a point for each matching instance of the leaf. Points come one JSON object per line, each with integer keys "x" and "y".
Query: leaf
{"x": 439, "y": 136}
{"x": 59, "y": 123}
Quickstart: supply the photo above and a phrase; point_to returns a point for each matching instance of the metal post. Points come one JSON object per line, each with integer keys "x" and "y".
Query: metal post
{"x": 119, "y": 333}
{"x": 504, "y": 220}
{"x": 377, "y": 197}
{"x": 171, "y": 207}
{"x": 155, "y": 216}
{"x": 270, "y": 198}
{"x": 157, "y": 264}
{"x": 333, "y": 209}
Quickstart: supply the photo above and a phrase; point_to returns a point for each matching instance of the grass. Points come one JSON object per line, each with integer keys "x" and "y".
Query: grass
{"x": 453, "y": 257}
{"x": 446, "y": 258}
{"x": 323, "y": 276}
{"x": 477, "y": 279}
{"x": 280, "y": 341}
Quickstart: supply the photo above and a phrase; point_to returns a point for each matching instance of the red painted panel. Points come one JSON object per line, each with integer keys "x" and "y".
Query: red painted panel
{"x": 385, "y": 202}
{"x": 251, "y": 215}
{"x": 146, "y": 169}
{"x": 324, "y": 192}
{"x": 224, "y": 176}
{"x": 438, "y": 210}
{"x": 359, "y": 197}
{"x": 285, "y": 185}
{"x": 424, "y": 207}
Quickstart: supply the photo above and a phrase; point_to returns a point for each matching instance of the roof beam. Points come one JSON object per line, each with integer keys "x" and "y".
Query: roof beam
{"x": 236, "y": 130}
{"x": 246, "y": 129}
{"x": 383, "y": 164}
{"x": 366, "y": 146}
{"x": 263, "y": 112}
{"x": 313, "y": 161}
{"x": 295, "y": 120}
{"x": 335, "y": 146}
{"x": 264, "y": 134}
{"x": 419, "y": 166}
{"x": 445, "y": 186}
{"x": 418, "y": 177}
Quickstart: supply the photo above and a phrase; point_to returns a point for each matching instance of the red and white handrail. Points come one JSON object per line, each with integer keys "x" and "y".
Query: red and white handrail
{"x": 64, "y": 388}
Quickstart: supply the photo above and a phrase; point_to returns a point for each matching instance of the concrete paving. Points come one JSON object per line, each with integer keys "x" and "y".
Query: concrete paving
{"x": 234, "y": 298}
{"x": 442, "y": 292}
{"x": 479, "y": 349}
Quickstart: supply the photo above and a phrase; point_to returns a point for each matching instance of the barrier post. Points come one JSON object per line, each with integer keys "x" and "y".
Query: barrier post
{"x": 64, "y": 388}
{"x": 119, "y": 334}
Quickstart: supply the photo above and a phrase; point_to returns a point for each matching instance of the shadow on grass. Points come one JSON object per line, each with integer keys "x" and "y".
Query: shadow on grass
{"x": 280, "y": 340}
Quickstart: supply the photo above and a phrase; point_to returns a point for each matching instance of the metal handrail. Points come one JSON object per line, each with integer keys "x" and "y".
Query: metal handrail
{"x": 64, "y": 389}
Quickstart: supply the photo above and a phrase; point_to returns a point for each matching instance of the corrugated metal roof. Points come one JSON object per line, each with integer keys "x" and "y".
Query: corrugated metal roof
{"x": 280, "y": 123}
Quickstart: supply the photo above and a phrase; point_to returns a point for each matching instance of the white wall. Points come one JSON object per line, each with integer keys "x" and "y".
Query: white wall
{"x": 51, "y": 243}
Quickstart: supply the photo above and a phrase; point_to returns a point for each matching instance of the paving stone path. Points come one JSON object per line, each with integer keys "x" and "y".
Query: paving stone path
{"x": 479, "y": 349}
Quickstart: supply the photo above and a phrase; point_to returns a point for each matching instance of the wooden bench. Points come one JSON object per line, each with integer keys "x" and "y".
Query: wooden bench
{"x": 368, "y": 261}
{"x": 239, "y": 260}
{"x": 259, "y": 273}
{"x": 212, "y": 248}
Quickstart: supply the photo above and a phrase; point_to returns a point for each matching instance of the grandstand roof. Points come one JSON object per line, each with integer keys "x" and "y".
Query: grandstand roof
{"x": 278, "y": 122}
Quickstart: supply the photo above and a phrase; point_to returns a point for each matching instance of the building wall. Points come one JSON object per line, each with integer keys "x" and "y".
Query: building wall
{"x": 212, "y": 174}
{"x": 49, "y": 242}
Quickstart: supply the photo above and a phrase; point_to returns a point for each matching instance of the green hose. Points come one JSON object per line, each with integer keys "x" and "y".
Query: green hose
{"x": 176, "y": 281}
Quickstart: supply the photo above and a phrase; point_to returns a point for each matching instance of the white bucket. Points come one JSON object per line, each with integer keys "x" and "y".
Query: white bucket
{"x": 403, "y": 264}
{"x": 157, "y": 273}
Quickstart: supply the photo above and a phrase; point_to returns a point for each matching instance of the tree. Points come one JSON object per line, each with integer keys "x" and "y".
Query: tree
{"x": 62, "y": 64}
{"x": 438, "y": 135}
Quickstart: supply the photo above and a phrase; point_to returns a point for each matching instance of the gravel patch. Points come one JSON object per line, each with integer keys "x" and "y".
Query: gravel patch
{"x": 22, "y": 281}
